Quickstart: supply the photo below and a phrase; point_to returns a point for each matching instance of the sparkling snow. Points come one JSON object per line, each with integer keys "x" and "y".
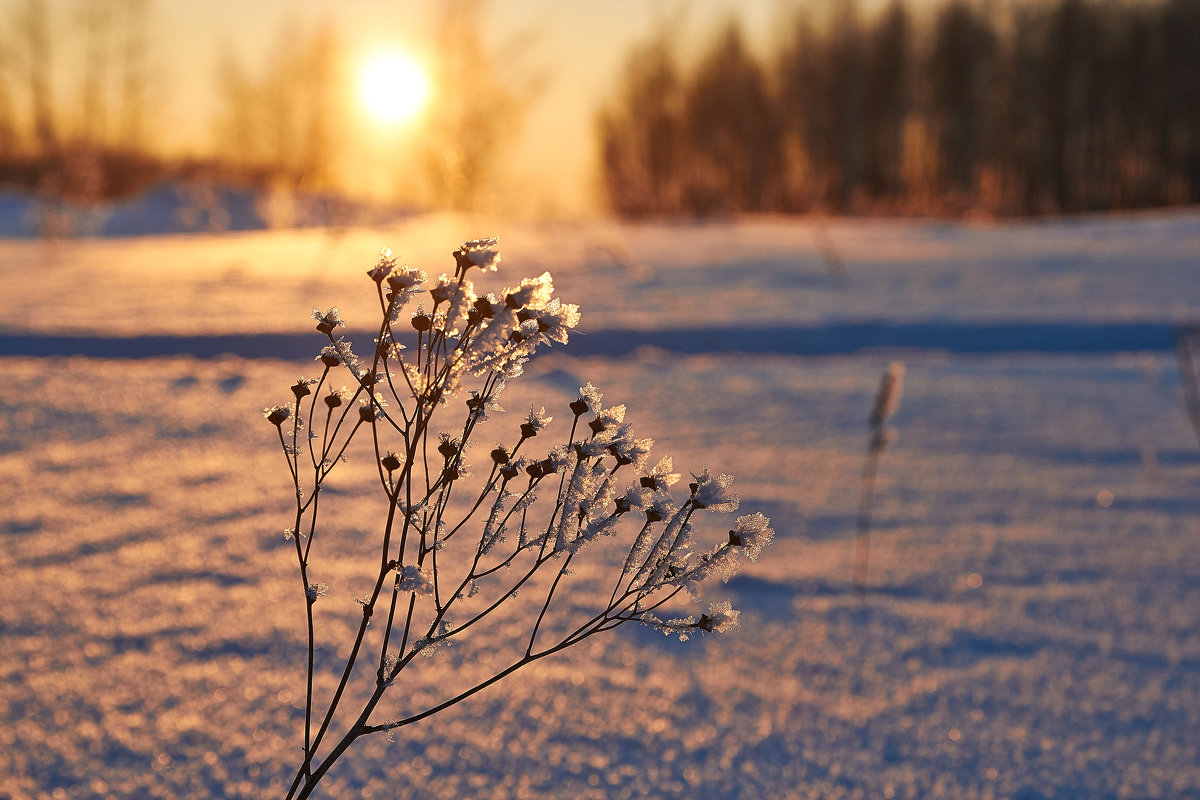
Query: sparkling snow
{"x": 1032, "y": 627}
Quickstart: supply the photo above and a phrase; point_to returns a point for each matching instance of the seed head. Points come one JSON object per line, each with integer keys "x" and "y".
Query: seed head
{"x": 887, "y": 399}
{"x": 300, "y": 388}
{"x": 328, "y": 321}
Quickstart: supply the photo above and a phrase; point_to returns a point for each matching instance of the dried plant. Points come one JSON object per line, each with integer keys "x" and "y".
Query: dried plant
{"x": 887, "y": 400}
{"x": 458, "y": 543}
{"x": 1185, "y": 338}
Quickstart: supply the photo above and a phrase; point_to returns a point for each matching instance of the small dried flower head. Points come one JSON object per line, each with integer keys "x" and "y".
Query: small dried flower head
{"x": 367, "y": 411}
{"x": 661, "y": 476}
{"x": 460, "y": 294}
{"x": 536, "y": 421}
{"x": 500, "y": 455}
{"x": 712, "y": 492}
{"x": 391, "y": 462}
{"x": 557, "y": 320}
{"x": 448, "y": 446}
{"x": 300, "y": 387}
{"x": 329, "y": 320}
{"x": 559, "y": 457}
{"x": 721, "y": 618}
{"x": 406, "y": 280}
{"x": 336, "y": 397}
{"x": 590, "y": 396}
{"x": 479, "y": 404}
{"x": 316, "y": 590}
{"x": 481, "y": 253}
{"x": 383, "y": 267}
{"x": 277, "y": 415}
{"x": 635, "y": 497}
{"x": 329, "y": 356}
{"x": 488, "y": 306}
{"x": 658, "y": 509}
{"x": 751, "y": 533}
{"x": 512, "y": 469}
{"x": 442, "y": 290}
{"x": 532, "y": 293}
{"x": 421, "y": 321}
{"x": 887, "y": 399}
{"x": 607, "y": 418}
{"x": 630, "y": 450}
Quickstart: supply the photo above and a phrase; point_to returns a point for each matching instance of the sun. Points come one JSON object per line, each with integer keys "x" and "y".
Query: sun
{"x": 393, "y": 87}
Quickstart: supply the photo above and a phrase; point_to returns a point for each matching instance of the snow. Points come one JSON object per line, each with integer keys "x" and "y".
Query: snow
{"x": 1032, "y": 626}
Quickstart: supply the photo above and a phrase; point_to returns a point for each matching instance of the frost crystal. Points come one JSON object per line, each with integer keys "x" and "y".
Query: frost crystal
{"x": 535, "y": 422}
{"x": 383, "y": 267}
{"x": 590, "y": 395}
{"x": 405, "y": 283}
{"x": 532, "y": 293}
{"x": 628, "y": 449}
{"x": 752, "y": 533}
{"x": 481, "y": 253}
{"x": 329, "y": 320}
{"x": 557, "y": 320}
{"x": 711, "y": 492}
{"x": 411, "y": 578}
{"x": 661, "y": 476}
{"x": 459, "y": 297}
{"x": 721, "y": 618}
{"x": 277, "y": 415}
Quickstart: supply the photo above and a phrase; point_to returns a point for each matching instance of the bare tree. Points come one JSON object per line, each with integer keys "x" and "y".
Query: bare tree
{"x": 478, "y": 111}
{"x": 31, "y": 45}
{"x": 886, "y": 100}
{"x": 278, "y": 127}
{"x": 10, "y": 141}
{"x": 133, "y": 58}
{"x": 95, "y": 21}
{"x": 641, "y": 133}
{"x": 731, "y": 127}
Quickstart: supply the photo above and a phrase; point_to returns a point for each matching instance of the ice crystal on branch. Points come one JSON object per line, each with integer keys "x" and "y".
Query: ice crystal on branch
{"x": 466, "y": 540}
{"x": 481, "y": 253}
{"x": 329, "y": 320}
{"x": 711, "y": 492}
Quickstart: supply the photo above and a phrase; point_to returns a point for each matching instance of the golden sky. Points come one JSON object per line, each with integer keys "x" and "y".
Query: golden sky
{"x": 572, "y": 48}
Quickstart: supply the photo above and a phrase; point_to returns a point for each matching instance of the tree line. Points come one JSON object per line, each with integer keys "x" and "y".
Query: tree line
{"x": 1006, "y": 108}
{"x": 83, "y": 137}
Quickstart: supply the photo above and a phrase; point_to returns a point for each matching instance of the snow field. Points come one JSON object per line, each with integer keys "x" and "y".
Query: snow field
{"x": 1031, "y": 628}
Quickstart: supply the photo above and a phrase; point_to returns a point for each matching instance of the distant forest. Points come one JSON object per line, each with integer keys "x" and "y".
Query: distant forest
{"x": 999, "y": 108}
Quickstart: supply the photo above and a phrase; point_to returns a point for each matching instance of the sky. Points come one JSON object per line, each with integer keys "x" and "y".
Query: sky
{"x": 573, "y": 48}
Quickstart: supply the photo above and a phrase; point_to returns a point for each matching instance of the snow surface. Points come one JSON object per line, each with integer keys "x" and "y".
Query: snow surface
{"x": 1032, "y": 629}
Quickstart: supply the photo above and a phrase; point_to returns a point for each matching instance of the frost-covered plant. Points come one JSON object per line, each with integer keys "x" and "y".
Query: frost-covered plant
{"x": 1186, "y": 338}
{"x": 460, "y": 539}
{"x": 887, "y": 400}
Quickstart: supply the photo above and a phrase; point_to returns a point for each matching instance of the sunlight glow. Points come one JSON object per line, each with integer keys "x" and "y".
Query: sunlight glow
{"x": 393, "y": 87}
